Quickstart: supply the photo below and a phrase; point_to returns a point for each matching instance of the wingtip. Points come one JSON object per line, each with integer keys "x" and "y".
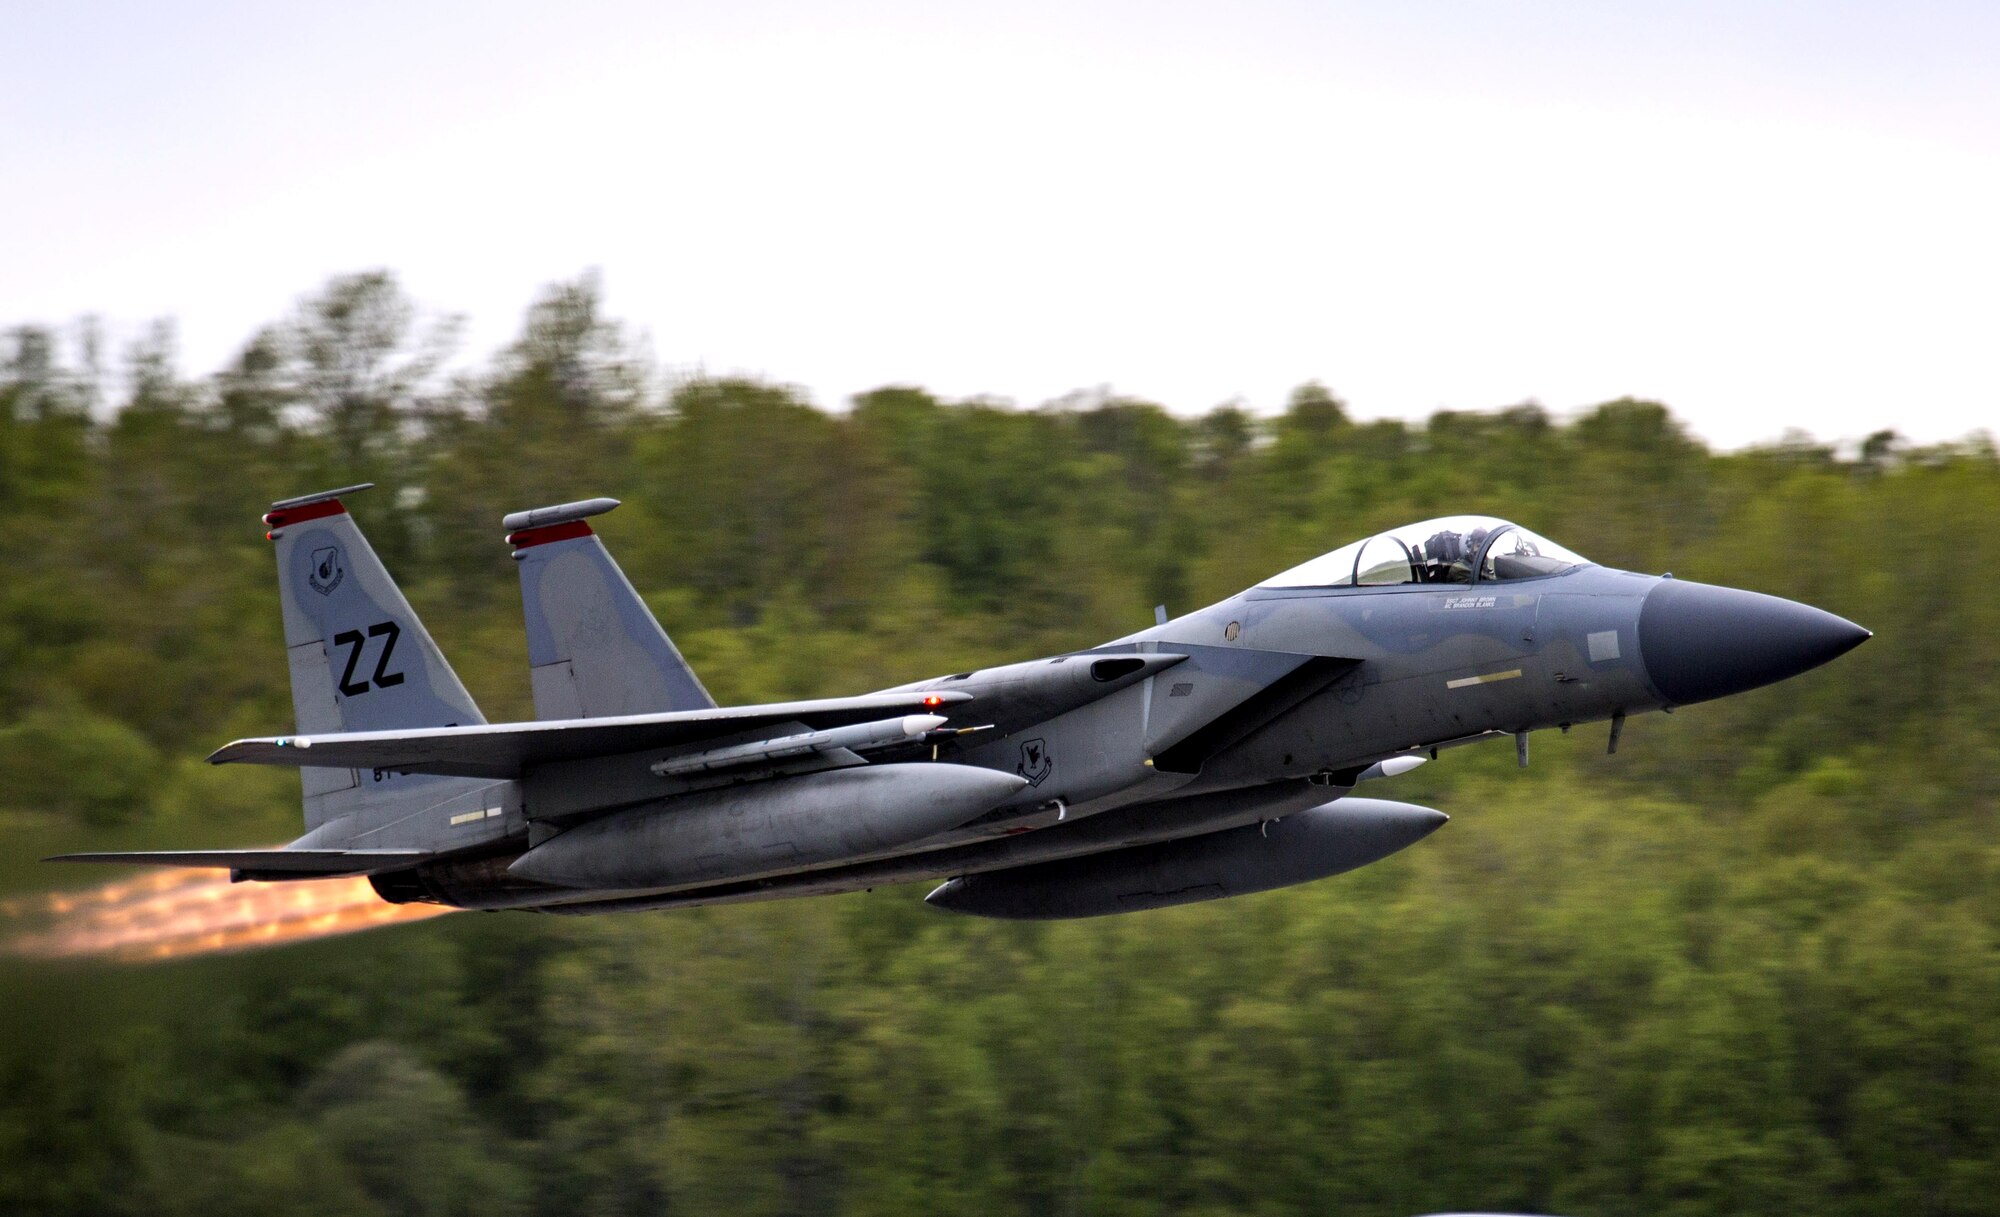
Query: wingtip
{"x": 237, "y": 751}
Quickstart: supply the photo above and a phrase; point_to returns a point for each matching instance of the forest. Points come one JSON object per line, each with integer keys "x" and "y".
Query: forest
{"x": 1750, "y": 964}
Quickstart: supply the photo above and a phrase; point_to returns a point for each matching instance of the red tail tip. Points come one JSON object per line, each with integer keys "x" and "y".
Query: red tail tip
{"x": 554, "y": 532}
{"x": 296, "y": 515}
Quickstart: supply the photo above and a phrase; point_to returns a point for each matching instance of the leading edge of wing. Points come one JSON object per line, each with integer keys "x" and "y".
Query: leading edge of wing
{"x": 304, "y": 863}
{"x": 505, "y": 750}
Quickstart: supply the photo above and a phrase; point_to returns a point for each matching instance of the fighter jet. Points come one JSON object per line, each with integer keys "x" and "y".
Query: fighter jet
{"x": 1212, "y": 755}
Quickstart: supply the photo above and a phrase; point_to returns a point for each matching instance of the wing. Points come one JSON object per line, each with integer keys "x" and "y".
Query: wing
{"x": 507, "y": 750}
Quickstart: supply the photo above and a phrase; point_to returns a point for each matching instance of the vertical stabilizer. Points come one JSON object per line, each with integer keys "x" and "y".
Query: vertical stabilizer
{"x": 594, "y": 648}
{"x": 360, "y": 659}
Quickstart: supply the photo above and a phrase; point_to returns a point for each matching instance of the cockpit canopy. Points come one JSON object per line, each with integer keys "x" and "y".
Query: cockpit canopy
{"x": 1449, "y": 549}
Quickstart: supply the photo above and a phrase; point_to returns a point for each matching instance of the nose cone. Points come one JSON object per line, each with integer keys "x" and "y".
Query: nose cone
{"x": 1700, "y": 642}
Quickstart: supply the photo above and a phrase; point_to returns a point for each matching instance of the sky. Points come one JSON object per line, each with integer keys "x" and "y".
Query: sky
{"x": 1767, "y": 215}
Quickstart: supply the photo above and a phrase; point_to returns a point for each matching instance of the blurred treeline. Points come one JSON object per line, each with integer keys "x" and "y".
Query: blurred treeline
{"x": 1748, "y": 965}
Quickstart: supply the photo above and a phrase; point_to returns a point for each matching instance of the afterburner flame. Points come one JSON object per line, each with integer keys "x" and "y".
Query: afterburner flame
{"x": 169, "y": 914}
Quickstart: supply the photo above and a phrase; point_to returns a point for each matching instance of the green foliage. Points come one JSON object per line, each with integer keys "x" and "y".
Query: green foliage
{"x": 404, "y": 1134}
{"x": 97, "y": 770}
{"x": 1748, "y": 965}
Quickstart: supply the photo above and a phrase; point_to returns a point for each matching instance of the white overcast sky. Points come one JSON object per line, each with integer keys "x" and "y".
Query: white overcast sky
{"x": 1765, "y": 214}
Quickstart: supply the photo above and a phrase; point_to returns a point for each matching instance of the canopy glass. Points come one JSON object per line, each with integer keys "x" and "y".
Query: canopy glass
{"x": 1449, "y": 549}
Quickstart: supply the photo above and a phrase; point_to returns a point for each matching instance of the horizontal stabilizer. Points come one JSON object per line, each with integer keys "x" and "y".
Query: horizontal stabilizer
{"x": 302, "y": 863}
{"x": 508, "y": 750}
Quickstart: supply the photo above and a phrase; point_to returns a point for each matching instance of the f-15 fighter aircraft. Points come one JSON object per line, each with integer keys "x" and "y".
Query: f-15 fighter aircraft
{"x": 1212, "y": 755}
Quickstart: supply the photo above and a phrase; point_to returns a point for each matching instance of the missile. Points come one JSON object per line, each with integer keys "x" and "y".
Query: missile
{"x": 1395, "y": 766}
{"x": 1306, "y": 845}
{"x": 856, "y": 737}
{"x": 748, "y": 832}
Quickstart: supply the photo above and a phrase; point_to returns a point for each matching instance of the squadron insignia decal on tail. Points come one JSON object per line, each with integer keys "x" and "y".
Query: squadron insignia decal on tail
{"x": 327, "y": 572}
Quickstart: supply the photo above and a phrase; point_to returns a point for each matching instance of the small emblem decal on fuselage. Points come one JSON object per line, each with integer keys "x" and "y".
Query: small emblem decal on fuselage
{"x": 1035, "y": 761}
{"x": 327, "y": 571}
{"x": 1350, "y": 687}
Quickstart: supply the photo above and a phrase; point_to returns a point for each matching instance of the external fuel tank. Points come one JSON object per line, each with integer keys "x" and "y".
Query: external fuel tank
{"x": 748, "y": 831}
{"x": 1299, "y": 848}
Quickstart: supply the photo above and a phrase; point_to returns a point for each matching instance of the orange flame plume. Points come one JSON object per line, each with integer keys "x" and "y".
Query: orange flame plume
{"x": 199, "y": 912}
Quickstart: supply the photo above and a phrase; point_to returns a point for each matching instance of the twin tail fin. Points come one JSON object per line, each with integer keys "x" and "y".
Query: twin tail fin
{"x": 594, "y": 649}
{"x": 360, "y": 658}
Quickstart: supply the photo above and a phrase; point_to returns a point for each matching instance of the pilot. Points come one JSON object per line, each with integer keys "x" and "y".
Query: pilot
{"x": 1448, "y": 556}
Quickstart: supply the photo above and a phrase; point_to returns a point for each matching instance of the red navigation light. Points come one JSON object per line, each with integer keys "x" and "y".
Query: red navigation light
{"x": 934, "y": 700}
